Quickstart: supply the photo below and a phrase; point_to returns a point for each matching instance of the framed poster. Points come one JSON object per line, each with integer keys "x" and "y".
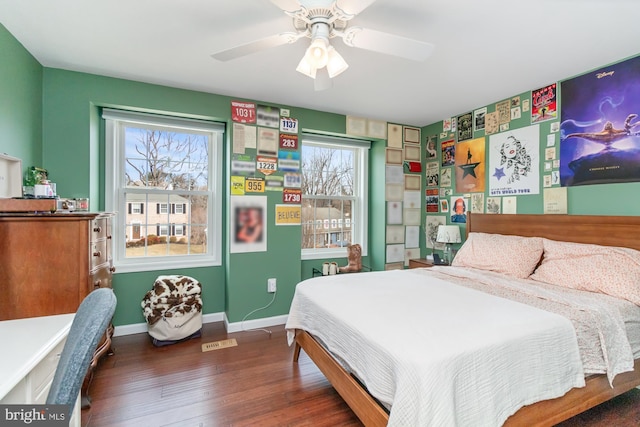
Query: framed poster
{"x": 600, "y": 140}
{"x": 356, "y": 126}
{"x": 411, "y": 135}
{"x": 412, "y": 153}
{"x": 377, "y": 129}
{"x": 393, "y": 156}
{"x": 412, "y": 182}
{"x": 248, "y": 224}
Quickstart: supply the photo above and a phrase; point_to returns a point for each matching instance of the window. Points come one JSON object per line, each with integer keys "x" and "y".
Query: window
{"x": 163, "y": 171}
{"x": 136, "y": 208}
{"x": 163, "y": 230}
{"x": 334, "y": 192}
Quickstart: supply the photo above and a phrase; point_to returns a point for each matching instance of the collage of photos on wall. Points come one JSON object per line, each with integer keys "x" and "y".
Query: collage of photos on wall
{"x": 266, "y": 157}
{"x": 403, "y": 195}
{"x": 489, "y": 158}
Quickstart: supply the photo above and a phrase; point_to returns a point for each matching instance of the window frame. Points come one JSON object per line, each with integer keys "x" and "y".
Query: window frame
{"x": 115, "y": 195}
{"x": 360, "y": 200}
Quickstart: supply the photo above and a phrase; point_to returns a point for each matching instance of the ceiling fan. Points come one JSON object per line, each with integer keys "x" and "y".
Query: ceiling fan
{"x": 322, "y": 20}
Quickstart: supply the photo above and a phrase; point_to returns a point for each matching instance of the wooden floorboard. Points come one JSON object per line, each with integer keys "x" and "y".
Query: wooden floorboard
{"x": 253, "y": 384}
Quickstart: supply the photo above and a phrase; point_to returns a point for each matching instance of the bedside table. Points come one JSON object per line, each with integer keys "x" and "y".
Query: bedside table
{"x": 420, "y": 263}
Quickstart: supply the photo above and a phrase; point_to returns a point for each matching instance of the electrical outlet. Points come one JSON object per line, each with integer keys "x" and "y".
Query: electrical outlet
{"x": 271, "y": 285}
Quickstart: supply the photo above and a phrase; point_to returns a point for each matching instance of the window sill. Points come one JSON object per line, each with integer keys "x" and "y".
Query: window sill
{"x": 326, "y": 254}
{"x": 164, "y": 264}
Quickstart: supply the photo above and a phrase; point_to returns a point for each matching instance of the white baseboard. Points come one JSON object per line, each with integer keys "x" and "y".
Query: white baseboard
{"x": 141, "y": 328}
{"x": 254, "y": 324}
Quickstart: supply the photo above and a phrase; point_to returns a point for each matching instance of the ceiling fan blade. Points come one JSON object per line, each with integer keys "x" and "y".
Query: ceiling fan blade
{"x": 353, "y": 7}
{"x": 322, "y": 80}
{"x": 287, "y": 5}
{"x": 389, "y": 44}
{"x": 255, "y": 46}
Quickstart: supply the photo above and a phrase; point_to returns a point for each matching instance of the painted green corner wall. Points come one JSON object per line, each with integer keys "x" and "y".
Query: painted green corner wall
{"x": 50, "y": 117}
{"x": 20, "y": 102}
{"x": 71, "y": 128}
{"x": 602, "y": 199}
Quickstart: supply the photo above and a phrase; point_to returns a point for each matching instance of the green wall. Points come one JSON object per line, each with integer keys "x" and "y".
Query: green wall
{"x": 50, "y": 117}
{"x": 20, "y": 102}
{"x": 72, "y": 130}
{"x": 602, "y": 199}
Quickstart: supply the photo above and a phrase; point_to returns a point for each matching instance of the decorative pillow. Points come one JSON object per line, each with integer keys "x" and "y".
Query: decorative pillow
{"x": 605, "y": 269}
{"x": 514, "y": 256}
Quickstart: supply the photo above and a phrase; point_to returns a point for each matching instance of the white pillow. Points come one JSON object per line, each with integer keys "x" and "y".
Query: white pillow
{"x": 514, "y": 256}
{"x": 605, "y": 269}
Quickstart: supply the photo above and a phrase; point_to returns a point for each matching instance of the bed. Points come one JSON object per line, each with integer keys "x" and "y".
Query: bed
{"x": 595, "y": 387}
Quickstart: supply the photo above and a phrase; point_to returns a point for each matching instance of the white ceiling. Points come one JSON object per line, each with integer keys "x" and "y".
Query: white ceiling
{"x": 485, "y": 50}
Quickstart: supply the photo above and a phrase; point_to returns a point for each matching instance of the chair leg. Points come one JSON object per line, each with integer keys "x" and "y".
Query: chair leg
{"x": 296, "y": 352}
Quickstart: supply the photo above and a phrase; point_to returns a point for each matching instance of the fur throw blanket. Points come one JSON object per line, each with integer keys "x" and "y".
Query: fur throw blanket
{"x": 171, "y": 296}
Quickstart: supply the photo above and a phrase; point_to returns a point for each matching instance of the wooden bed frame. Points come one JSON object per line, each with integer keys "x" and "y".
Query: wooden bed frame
{"x": 602, "y": 230}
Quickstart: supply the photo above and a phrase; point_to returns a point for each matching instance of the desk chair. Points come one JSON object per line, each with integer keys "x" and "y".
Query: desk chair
{"x": 88, "y": 326}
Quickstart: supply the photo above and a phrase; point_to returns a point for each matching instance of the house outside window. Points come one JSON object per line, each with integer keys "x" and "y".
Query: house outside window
{"x": 136, "y": 208}
{"x": 163, "y": 230}
{"x": 162, "y": 171}
{"x": 334, "y": 193}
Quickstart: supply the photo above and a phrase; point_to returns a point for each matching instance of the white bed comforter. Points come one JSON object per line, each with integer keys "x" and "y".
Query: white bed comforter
{"x": 439, "y": 354}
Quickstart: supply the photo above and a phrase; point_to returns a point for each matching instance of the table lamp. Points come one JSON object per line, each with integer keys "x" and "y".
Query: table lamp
{"x": 448, "y": 234}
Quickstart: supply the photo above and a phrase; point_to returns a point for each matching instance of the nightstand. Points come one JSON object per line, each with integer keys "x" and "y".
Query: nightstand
{"x": 420, "y": 263}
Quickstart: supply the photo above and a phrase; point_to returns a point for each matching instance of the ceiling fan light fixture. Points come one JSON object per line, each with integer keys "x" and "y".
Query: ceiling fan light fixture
{"x": 305, "y": 68}
{"x": 335, "y": 63}
{"x": 317, "y": 54}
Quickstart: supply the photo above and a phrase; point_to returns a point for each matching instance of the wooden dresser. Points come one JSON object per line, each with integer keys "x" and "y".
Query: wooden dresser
{"x": 50, "y": 262}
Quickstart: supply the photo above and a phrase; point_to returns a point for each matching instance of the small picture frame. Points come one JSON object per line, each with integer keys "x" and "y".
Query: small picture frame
{"x": 412, "y": 153}
{"x": 393, "y": 156}
{"x": 411, "y": 135}
{"x": 356, "y": 126}
{"x": 412, "y": 182}
{"x": 377, "y": 129}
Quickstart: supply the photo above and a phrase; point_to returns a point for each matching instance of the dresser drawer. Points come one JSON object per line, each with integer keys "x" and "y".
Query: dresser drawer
{"x": 100, "y": 229}
{"x": 42, "y": 375}
{"x": 100, "y": 253}
{"x": 101, "y": 278}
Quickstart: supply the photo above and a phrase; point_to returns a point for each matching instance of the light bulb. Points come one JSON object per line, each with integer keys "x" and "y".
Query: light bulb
{"x": 317, "y": 54}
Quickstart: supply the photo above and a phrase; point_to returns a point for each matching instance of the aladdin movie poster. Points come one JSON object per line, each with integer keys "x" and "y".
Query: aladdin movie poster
{"x": 600, "y": 127}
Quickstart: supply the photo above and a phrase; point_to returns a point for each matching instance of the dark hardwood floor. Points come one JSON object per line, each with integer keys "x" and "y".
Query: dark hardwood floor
{"x": 253, "y": 384}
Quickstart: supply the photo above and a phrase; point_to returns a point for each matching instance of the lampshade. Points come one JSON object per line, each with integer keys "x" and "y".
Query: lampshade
{"x": 317, "y": 54}
{"x": 321, "y": 61}
{"x": 335, "y": 63}
{"x": 305, "y": 68}
{"x": 448, "y": 234}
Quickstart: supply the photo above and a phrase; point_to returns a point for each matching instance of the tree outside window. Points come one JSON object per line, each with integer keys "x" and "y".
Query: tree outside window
{"x": 333, "y": 194}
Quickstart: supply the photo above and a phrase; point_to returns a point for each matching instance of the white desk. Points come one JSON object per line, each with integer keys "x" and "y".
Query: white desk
{"x": 32, "y": 351}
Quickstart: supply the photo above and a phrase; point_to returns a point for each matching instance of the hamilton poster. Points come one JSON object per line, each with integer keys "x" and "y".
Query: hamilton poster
{"x": 600, "y": 127}
{"x": 470, "y": 166}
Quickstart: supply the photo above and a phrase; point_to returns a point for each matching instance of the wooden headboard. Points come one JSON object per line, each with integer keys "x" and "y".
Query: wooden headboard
{"x": 600, "y": 230}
